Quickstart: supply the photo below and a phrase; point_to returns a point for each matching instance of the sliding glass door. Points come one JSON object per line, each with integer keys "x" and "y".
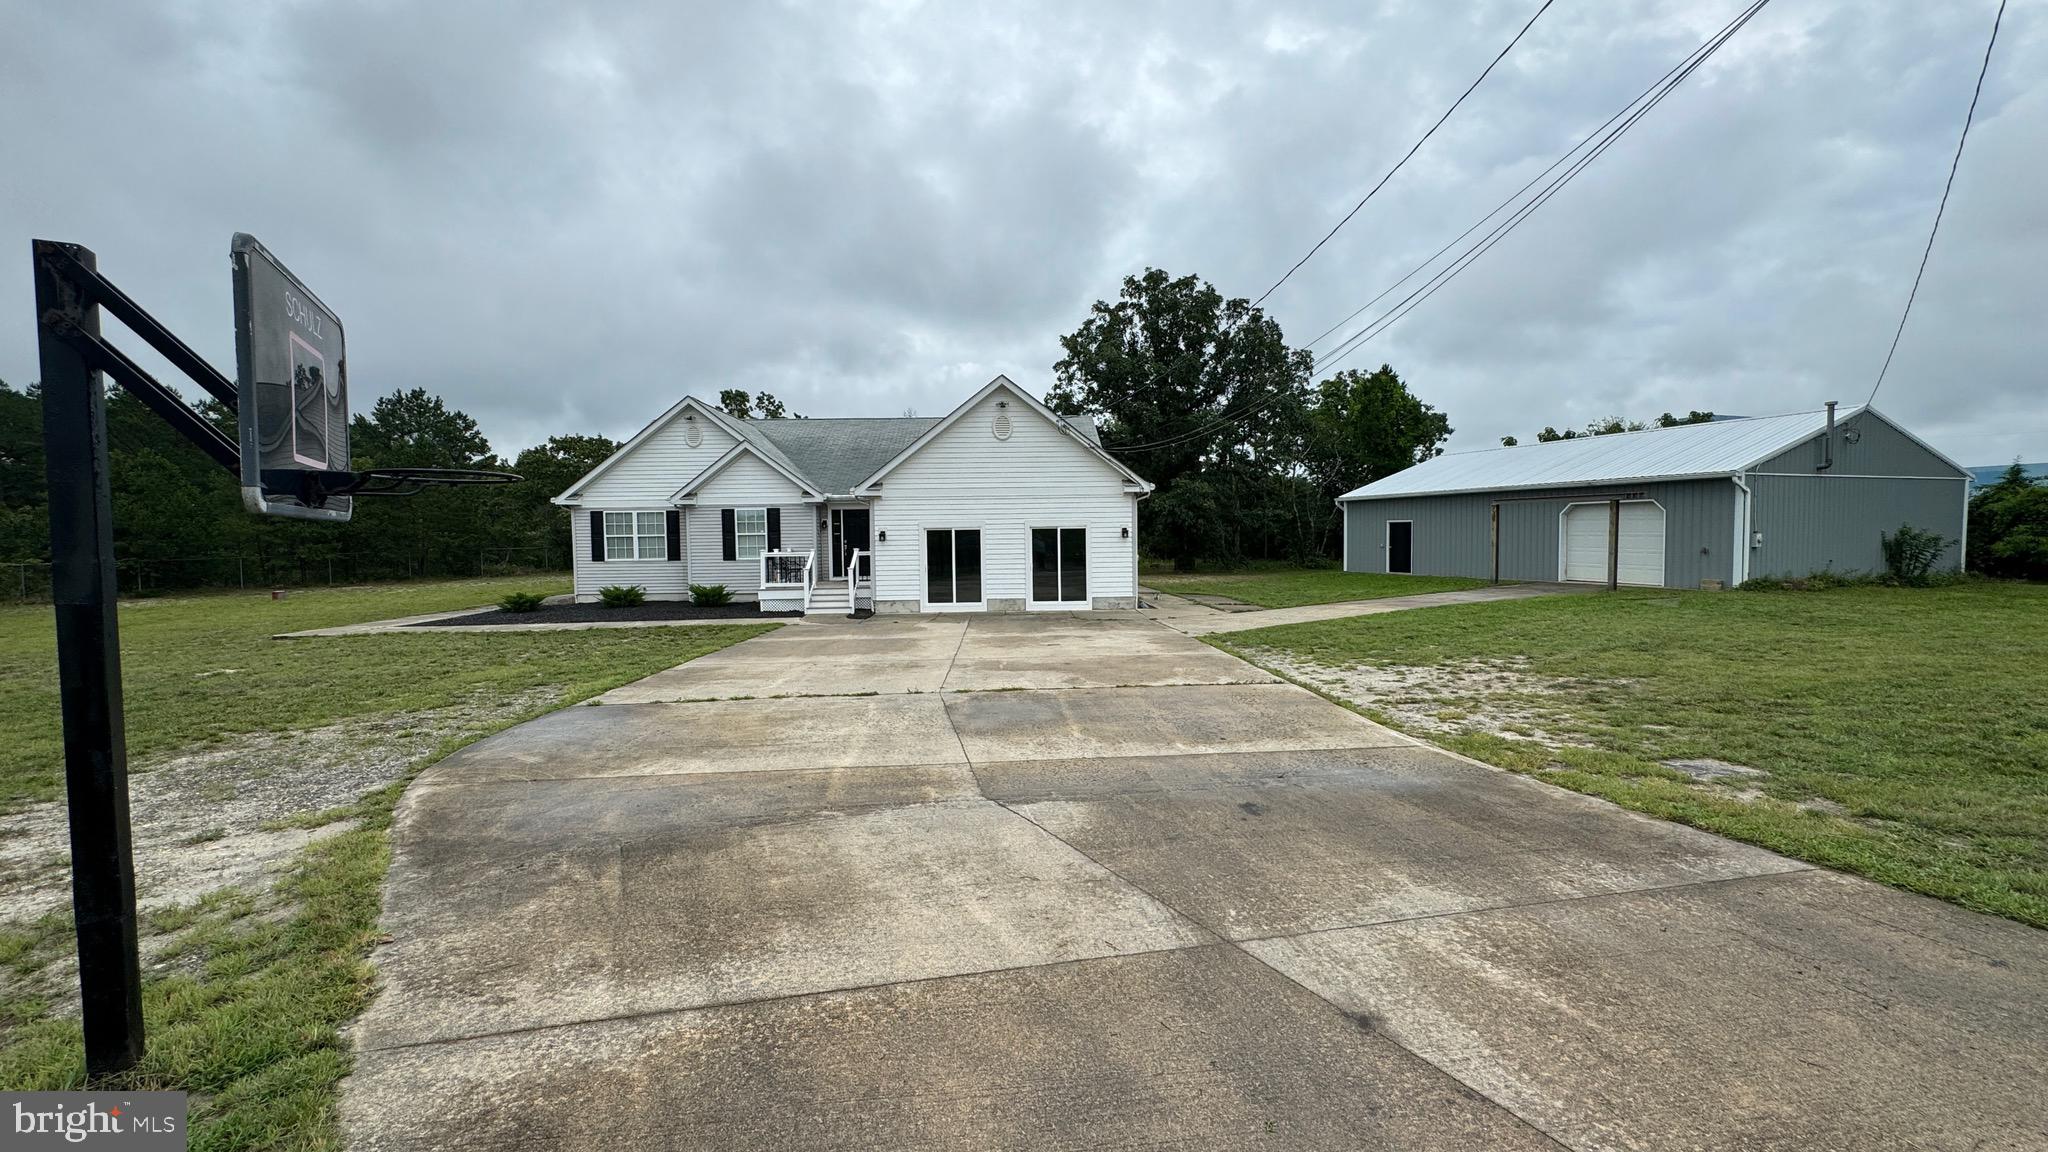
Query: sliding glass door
{"x": 952, "y": 568}
{"x": 1059, "y": 568}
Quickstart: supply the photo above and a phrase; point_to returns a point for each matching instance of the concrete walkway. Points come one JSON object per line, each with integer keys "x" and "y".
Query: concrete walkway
{"x": 1068, "y": 883}
{"x": 1184, "y": 615}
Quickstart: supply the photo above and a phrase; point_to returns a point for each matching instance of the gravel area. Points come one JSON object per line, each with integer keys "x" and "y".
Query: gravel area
{"x": 599, "y": 614}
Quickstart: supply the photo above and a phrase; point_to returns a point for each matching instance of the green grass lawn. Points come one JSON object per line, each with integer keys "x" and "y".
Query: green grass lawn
{"x": 244, "y": 1010}
{"x": 1903, "y": 732}
{"x": 1291, "y": 587}
{"x": 201, "y": 667}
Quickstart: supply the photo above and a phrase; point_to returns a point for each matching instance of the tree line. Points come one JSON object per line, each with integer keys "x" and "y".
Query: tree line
{"x": 1203, "y": 397}
{"x": 178, "y": 518}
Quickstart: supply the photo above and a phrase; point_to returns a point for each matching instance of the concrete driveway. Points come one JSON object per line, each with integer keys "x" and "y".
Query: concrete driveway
{"x": 1067, "y": 883}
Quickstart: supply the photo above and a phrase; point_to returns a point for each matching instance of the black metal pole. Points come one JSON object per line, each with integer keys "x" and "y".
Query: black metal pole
{"x": 88, "y": 668}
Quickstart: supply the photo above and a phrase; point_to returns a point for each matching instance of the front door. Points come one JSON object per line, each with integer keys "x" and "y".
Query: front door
{"x": 1400, "y": 537}
{"x": 849, "y": 532}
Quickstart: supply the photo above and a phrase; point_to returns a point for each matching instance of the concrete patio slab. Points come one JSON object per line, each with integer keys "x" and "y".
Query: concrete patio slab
{"x": 1071, "y": 653}
{"x": 1095, "y": 722}
{"x": 1376, "y": 835}
{"x": 1192, "y": 1049}
{"x": 679, "y": 909}
{"x": 590, "y": 741}
{"x": 1800, "y": 1011}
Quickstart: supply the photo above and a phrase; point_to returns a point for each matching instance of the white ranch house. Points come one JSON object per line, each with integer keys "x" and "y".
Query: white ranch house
{"x": 1000, "y": 506}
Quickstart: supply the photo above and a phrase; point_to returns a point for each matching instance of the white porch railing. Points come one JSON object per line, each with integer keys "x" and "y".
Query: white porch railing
{"x": 788, "y": 571}
{"x": 853, "y": 567}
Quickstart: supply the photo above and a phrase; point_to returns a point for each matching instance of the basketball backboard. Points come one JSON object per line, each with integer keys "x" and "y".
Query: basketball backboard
{"x": 292, "y": 374}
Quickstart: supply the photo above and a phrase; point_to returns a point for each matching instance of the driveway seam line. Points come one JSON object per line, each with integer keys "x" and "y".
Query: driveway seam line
{"x": 1545, "y": 903}
{"x": 757, "y": 1001}
{"x": 1263, "y": 963}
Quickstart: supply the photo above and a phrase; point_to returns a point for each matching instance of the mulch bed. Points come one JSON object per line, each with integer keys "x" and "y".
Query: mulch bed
{"x": 599, "y": 614}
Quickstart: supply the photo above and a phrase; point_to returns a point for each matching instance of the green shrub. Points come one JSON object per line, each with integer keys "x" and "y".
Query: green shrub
{"x": 710, "y": 595}
{"x": 622, "y": 596}
{"x": 1910, "y": 553}
{"x": 520, "y": 602}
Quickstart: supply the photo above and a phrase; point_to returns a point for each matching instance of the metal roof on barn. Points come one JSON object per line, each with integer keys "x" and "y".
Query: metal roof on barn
{"x": 1718, "y": 448}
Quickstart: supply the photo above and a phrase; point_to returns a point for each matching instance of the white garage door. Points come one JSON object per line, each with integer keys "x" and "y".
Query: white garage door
{"x": 1642, "y": 543}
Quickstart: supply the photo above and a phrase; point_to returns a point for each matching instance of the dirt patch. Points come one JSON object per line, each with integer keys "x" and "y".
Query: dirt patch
{"x": 200, "y": 818}
{"x": 1496, "y": 697}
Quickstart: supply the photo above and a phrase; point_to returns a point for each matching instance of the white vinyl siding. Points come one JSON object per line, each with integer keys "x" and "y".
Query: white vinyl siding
{"x": 664, "y": 579}
{"x": 646, "y": 479}
{"x": 745, "y": 485}
{"x": 966, "y": 478}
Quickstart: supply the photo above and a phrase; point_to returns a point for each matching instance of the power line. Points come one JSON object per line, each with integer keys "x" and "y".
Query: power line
{"x": 1516, "y": 195}
{"x": 1943, "y": 206}
{"x": 1410, "y": 153}
{"x": 1629, "y": 113}
{"x": 1647, "y": 101}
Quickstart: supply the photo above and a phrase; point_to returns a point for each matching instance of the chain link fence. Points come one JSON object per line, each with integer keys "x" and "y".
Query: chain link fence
{"x": 29, "y": 580}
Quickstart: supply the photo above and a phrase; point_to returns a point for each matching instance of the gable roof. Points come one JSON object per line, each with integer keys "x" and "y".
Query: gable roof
{"x": 744, "y": 448}
{"x": 1072, "y": 427}
{"x": 687, "y": 403}
{"x": 837, "y": 454}
{"x": 831, "y": 456}
{"x": 1684, "y": 452}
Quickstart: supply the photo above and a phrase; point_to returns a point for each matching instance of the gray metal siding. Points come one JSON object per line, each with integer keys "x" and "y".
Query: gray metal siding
{"x": 1881, "y": 450}
{"x": 1452, "y": 534}
{"x": 1833, "y": 523}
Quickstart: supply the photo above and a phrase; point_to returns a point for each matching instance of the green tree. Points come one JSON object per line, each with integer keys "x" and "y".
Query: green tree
{"x": 2009, "y": 527}
{"x": 548, "y": 470}
{"x": 1367, "y": 425}
{"x": 760, "y": 406}
{"x": 1185, "y": 384}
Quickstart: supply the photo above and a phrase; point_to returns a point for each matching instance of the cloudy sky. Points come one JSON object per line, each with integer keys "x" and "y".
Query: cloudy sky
{"x": 562, "y": 217}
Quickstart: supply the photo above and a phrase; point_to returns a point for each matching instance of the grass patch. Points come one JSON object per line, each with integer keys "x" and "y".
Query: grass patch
{"x": 201, "y": 668}
{"x": 1293, "y": 587}
{"x": 246, "y": 993}
{"x": 1916, "y": 711}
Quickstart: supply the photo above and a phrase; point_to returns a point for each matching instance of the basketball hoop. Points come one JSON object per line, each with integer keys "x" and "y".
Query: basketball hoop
{"x": 313, "y": 488}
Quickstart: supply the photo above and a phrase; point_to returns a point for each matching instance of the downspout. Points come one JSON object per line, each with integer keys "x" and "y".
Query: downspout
{"x": 1738, "y": 565}
{"x": 1827, "y": 446}
{"x": 1135, "y": 598}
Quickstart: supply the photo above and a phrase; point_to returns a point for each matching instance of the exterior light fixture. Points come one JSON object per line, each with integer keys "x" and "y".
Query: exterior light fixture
{"x": 882, "y": 535}
{"x": 1127, "y": 532}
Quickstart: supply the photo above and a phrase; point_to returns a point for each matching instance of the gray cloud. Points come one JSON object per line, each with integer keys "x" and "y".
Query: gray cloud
{"x": 562, "y": 216}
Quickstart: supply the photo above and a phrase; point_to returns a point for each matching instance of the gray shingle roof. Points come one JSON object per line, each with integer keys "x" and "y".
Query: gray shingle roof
{"x": 832, "y": 453}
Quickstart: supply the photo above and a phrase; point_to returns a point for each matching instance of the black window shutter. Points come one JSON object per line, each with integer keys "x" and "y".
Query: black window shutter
{"x": 675, "y": 534}
{"x": 597, "y": 536}
{"x": 775, "y": 529}
{"x": 731, "y": 534}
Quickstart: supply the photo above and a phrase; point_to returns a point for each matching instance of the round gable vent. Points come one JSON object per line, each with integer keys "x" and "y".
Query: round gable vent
{"x": 693, "y": 433}
{"x": 1001, "y": 426}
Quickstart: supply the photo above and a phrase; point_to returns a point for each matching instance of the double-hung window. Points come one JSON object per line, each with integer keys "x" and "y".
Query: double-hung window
{"x": 635, "y": 536}
{"x": 750, "y": 533}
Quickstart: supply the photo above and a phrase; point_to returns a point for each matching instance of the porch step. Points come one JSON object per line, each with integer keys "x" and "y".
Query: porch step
{"x": 830, "y": 601}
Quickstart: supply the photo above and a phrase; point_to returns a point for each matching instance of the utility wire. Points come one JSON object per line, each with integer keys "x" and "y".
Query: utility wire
{"x": 1656, "y": 95}
{"x": 1517, "y": 194}
{"x": 1943, "y": 206}
{"x": 1411, "y": 152}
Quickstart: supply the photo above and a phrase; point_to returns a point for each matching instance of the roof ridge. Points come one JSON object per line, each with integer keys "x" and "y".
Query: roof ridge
{"x": 1841, "y": 414}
